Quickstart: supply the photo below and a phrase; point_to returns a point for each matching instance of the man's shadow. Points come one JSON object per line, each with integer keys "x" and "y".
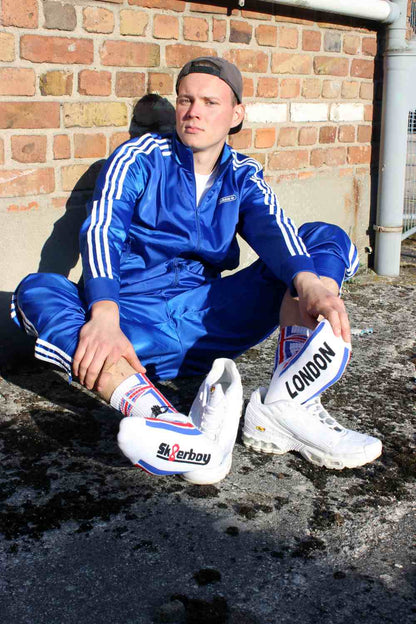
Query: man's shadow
{"x": 60, "y": 252}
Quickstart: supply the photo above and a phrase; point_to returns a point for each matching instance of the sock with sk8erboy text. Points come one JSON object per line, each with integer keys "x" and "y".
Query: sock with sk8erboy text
{"x": 137, "y": 396}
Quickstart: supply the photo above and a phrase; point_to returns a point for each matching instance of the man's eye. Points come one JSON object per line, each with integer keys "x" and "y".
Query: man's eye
{"x": 183, "y": 101}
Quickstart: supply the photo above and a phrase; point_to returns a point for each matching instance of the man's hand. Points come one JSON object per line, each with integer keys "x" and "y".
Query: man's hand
{"x": 320, "y": 298}
{"x": 101, "y": 345}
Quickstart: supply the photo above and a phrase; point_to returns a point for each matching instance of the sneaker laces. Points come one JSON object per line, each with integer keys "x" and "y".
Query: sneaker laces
{"x": 316, "y": 409}
{"x": 213, "y": 412}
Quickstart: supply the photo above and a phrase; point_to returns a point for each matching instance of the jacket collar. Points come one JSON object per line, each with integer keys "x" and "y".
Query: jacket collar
{"x": 183, "y": 154}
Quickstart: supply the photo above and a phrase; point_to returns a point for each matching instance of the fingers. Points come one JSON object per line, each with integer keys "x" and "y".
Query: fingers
{"x": 133, "y": 360}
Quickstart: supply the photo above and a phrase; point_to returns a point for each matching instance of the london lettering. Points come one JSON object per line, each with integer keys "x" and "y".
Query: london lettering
{"x": 175, "y": 454}
{"x": 311, "y": 371}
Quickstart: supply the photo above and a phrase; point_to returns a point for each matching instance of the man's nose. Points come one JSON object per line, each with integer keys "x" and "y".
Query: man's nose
{"x": 194, "y": 110}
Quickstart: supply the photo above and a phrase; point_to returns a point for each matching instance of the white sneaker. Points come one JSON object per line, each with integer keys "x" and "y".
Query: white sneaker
{"x": 168, "y": 445}
{"x": 284, "y": 426}
{"x": 216, "y": 411}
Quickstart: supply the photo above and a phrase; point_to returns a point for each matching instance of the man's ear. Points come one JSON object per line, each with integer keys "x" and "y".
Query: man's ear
{"x": 238, "y": 114}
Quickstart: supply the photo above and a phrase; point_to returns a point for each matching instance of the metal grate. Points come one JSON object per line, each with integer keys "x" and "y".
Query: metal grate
{"x": 409, "y": 209}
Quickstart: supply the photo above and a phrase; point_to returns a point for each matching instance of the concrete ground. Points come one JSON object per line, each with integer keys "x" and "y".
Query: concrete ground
{"x": 88, "y": 539}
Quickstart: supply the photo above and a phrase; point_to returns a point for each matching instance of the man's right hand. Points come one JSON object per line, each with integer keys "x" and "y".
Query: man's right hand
{"x": 101, "y": 345}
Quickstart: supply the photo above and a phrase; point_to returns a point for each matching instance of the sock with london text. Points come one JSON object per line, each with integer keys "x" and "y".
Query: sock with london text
{"x": 318, "y": 363}
{"x": 137, "y": 396}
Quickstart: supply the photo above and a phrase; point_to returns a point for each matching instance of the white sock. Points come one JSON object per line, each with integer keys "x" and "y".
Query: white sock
{"x": 318, "y": 363}
{"x": 137, "y": 396}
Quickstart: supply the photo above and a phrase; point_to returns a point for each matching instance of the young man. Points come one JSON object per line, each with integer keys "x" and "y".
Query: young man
{"x": 161, "y": 228}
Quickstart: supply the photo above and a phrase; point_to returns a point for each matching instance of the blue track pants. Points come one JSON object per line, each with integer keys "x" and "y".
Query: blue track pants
{"x": 180, "y": 321}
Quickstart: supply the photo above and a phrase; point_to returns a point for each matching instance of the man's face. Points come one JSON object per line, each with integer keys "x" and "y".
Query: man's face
{"x": 205, "y": 112}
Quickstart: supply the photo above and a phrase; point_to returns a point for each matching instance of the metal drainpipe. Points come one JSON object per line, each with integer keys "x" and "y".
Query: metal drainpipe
{"x": 398, "y": 58}
{"x": 380, "y": 10}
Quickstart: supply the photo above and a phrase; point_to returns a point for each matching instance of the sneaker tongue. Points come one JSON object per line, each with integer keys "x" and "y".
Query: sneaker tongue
{"x": 215, "y": 395}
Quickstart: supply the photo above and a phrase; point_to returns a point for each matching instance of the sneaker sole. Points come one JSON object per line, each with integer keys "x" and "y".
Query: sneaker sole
{"x": 210, "y": 475}
{"x": 313, "y": 455}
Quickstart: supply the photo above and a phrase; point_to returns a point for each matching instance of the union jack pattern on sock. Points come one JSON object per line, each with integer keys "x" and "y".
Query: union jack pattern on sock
{"x": 145, "y": 397}
{"x": 291, "y": 339}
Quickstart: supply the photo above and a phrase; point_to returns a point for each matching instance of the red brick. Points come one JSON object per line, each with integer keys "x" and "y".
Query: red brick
{"x": 350, "y": 89}
{"x": 130, "y": 84}
{"x": 20, "y": 13}
{"x": 241, "y": 140}
{"x": 351, "y": 44}
{"x": 22, "y": 182}
{"x": 255, "y": 15}
{"x": 15, "y": 81}
{"x": 266, "y": 35}
{"x": 179, "y": 54}
{"x": 289, "y": 87}
{"x": 289, "y": 159}
{"x": 248, "y": 60}
{"x": 267, "y": 87}
{"x": 97, "y": 20}
{"x": 327, "y": 134}
{"x": 248, "y": 87}
{"x": 219, "y": 30}
{"x": 283, "y": 63}
{"x": 195, "y": 29}
{"x": 133, "y": 22}
{"x": 291, "y": 20}
{"x": 165, "y": 27}
{"x": 311, "y": 88}
{"x": 29, "y": 149}
{"x": 265, "y": 138}
{"x": 311, "y": 40}
{"x": 364, "y": 134}
{"x": 59, "y": 16}
{"x": 362, "y": 69}
{"x": 369, "y": 46}
{"x": 330, "y": 65}
{"x": 37, "y": 115}
{"x": 368, "y": 112}
{"x": 56, "y": 49}
{"x": 359, "y": 154}
{"x": 331, "y": 89}
{"x": 330, "y": 156}
{"x": 90, "y": 145}
{"x": 92, "y": 82}
{"x": 56, "y": 82}
{"x": 130, "y": 54}
{"x": 240, "y": 32}
{"x": 307, "y": 136}
{"x": 207, "y": 8}
{"x": 287, "y": 136}
{"x": 366, "y": 91}
{"x": 61, "y": 147}
{"x": 288, "y": 37}
{"x": 166, "y": 5}
{"x": 160, "y": 83}
{"x": 1, "y": 152}
{"x": 346, "y": 134}
{"x": 118, "y": 138}
{"x": 7, "y": 53}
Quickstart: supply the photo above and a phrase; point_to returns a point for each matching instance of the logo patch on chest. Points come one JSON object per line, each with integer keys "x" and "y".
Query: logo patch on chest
{"x": 227, "y": 198}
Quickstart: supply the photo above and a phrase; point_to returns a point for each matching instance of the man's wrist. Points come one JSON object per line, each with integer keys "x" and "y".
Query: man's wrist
{"x": 105, "y": 308}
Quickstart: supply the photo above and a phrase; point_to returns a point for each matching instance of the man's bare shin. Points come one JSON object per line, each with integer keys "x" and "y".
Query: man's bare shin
{"x": 110, "y": 379}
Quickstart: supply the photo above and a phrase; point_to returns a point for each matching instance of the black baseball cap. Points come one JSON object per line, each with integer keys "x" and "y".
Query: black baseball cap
{"x": 219, "y": 67}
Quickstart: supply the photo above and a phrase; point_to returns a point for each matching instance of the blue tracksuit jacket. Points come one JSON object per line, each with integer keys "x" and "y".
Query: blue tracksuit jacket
{"x": 144, "y": 215}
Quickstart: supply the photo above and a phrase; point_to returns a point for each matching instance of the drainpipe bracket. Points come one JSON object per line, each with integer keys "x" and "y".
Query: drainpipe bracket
{"x": 388, "y": 229}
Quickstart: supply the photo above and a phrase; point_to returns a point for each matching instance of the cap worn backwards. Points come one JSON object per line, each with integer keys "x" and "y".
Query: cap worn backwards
{"x": 219, "y": 67}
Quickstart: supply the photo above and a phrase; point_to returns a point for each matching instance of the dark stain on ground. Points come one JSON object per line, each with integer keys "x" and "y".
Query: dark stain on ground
{"x": 205, "y": 576}
{"x": 202, "y": 611}
{"x": 307, "y": 548}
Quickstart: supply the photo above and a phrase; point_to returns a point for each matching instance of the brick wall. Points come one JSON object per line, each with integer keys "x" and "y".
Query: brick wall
{"x": 72, "y": 71}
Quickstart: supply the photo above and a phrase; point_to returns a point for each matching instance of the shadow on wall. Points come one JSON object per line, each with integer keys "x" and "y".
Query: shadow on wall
{"x": 60, "y": 252}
